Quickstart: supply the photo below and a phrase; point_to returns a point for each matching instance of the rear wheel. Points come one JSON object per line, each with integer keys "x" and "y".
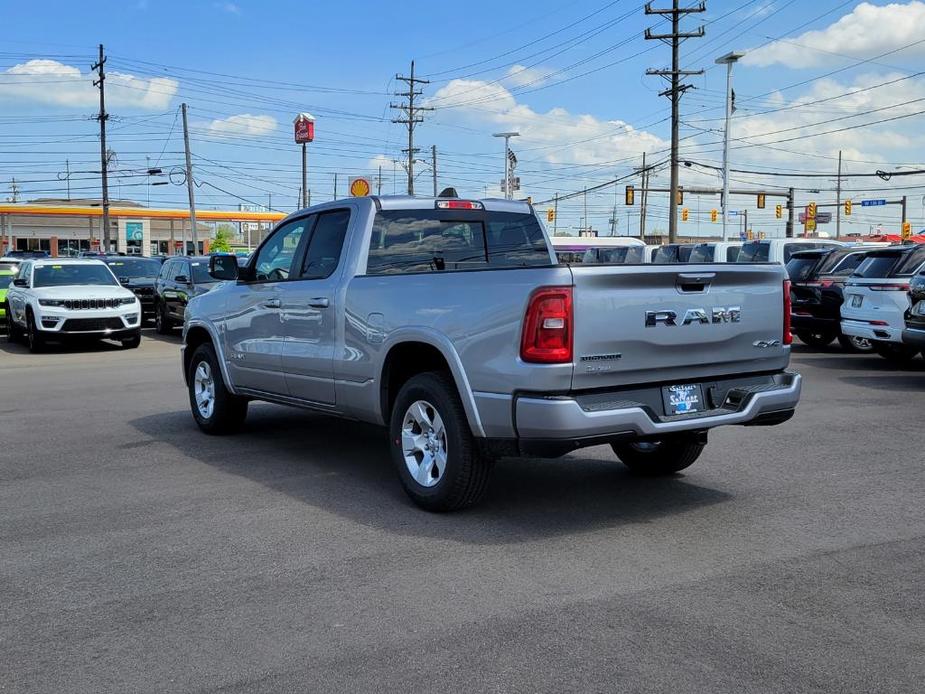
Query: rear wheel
{"x": 215, "y": 409}
{"x": 660, "y": 457}
{"x": 895, "y": 353}
{"x": 855, "y": 344}
{"x": 816, "y": 339}
{"x": 34, "y": 338}
{"x": 438, "y": 463}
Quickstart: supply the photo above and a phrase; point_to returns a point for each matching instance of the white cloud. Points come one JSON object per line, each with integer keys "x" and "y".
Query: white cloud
{"x": 556, "y": 136}
{"x": 52, "y": 83}
{"x": 229, "y": 7}
{"x": 243, "y": 125}
{"x": 867, "y": 31}
{"x": 520, "y": 76}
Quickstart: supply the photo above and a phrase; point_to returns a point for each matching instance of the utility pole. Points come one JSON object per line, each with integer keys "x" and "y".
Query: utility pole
{"x": 335, "y": 185}
{"x": 674, "y": 76}
{"x": 190, "y": 186}
{"x": 838, "y": 200}
{"x": 903, "y": 223}
{"x": 728, "y": 60}
{"x": 791, "y": 211}
{"x": 643, "y": 192}
{"x": 555, "y": 214}
{"x": 411, "y": 118}
{"x": 379, "y": 186}
{"x": 102, "y": 117}
{"x": 433, "y": 156}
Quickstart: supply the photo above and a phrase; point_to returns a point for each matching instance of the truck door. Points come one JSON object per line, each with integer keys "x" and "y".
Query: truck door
{"x": 309, "y": 311}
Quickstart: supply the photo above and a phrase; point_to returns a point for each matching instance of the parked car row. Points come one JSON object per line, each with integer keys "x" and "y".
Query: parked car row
{"x": 625, "y": 250}
{"x": 862, "y": 297}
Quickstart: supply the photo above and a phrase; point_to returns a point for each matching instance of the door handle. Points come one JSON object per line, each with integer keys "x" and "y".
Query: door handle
{"x": 319, "y": 302}
{"x": 272, "y": 303}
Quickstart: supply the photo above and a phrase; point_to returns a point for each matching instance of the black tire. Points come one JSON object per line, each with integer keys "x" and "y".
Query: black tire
{"x": 133, "y": 341}
{"x": 34, "y": 339}
{"x": 856, "y": 344}
{"x": 13, "y": 331}
{"x": 228, "y": 410}
{"x": 895, "y": 353}
{"x": 817, "y": 340}
{"x": 665, "y": 456}
{"x": 466, "y": 472}
{"x": 162, "y": 323}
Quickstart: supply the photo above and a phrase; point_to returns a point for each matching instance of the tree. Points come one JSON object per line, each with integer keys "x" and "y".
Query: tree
{"x": 223, "y": 235}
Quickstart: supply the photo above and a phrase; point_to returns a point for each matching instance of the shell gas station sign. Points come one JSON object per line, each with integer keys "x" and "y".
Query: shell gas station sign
{"x": 360, "y": 186}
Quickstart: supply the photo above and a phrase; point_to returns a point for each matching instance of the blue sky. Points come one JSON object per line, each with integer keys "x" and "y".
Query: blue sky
{"x": 569, "y": 77}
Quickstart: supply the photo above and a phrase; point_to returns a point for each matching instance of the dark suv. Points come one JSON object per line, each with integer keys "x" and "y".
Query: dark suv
{"x": 139, "y": 275}
{"x": 914, "y": 333}
{"x": 817, "y": 278}
{"x": 180, "y": 279}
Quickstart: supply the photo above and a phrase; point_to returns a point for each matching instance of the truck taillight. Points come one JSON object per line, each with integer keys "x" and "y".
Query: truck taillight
{"x": 548, "y": 327}
{"x": 788, "y": 337}
{"x": 888, "y": 287}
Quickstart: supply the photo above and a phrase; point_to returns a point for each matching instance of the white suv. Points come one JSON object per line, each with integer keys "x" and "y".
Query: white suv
{"x": 57, "y": 298}
{"x": 876, "y": 299}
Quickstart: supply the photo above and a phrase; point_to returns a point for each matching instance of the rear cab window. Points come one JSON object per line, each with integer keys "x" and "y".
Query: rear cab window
{"x": 754, "y": 252}
{"x": 703, "y": 253}
{"x": 410, "y": 241}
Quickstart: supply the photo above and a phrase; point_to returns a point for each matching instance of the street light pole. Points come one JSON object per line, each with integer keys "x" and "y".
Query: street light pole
{"x": 728, "y": 60}
{"x": 508, "y": 193}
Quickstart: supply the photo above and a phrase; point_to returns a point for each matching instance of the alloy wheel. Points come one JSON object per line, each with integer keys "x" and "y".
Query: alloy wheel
{"x": 204, "y": 390}
{"x": 424, "y": 443}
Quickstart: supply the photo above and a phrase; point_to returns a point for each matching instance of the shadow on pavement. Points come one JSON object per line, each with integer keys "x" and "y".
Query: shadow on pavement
{"x": 344, "y": 468}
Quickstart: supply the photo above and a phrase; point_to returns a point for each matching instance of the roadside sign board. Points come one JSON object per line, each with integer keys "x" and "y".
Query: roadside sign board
{"x": 134, "y": 231}
{"x": 360, "y": 186}
{"x": 872, "y": 203}
{"x": 821, "y": 217}
{"x": 304, "y": 128}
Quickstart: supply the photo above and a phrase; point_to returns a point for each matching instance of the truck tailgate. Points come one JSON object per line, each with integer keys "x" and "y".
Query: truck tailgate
{"x": 676, "y": 323}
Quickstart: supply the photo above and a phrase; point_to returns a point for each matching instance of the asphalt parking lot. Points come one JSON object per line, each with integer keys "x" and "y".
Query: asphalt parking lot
{"x": 138, "y": 555}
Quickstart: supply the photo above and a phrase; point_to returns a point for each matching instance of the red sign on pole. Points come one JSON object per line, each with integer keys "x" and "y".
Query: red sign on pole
{"x": 304, "y": 128}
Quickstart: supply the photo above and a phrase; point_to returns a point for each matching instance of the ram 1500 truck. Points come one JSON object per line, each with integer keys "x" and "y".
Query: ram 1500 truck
{"x": 450, "y": 322}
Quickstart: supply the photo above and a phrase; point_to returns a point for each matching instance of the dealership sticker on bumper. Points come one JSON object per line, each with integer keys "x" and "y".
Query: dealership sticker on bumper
{"x": 683, "y": 399}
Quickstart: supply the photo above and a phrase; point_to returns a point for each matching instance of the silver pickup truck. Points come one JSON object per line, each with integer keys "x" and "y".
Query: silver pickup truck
{"x": 450, "y": 322}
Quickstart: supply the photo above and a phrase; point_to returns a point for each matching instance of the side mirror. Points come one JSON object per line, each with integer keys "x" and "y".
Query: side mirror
{"x": 21, "y": 282}
{"x": 124, "y": 281}
{"x": 223, "y": 267}
{"x": 181, "y": 279}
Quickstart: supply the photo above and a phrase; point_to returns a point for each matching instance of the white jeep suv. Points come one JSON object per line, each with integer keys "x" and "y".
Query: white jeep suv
{"x": 877, "y": 297}
{"x": 57, "y": 298}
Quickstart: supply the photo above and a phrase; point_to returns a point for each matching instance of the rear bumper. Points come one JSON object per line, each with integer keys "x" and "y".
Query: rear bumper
{"x": 567, "y": 418}
{"x": 863, "y": 328}
{"x": 914, "y": 337}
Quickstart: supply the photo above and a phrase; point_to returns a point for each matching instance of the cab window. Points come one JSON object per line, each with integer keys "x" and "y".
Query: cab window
{"x": 275, "y": 258}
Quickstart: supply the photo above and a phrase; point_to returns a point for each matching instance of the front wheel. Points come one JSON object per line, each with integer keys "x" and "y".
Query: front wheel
{"x": 853, "y": 343}
{"x": 13, "y": 331}
{"x": 132, "y": 342}
{"x": 162, "y": 325}
{"x": 817, "y": 340}
{"x": 660, "y": 457}
{"x": 215, "y": 409}
{"x": 34, "y": 338}
{"x": 895, "y": 353}
{"x": 439, "y": 465}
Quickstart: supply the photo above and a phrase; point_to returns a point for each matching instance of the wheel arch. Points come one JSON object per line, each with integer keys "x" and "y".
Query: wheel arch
{"x": 199, "y": 333}
{"x": 418, "y": 352}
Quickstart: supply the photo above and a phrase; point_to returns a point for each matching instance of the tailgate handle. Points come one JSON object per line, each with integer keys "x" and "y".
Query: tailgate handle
{"x": 695, "y": 282}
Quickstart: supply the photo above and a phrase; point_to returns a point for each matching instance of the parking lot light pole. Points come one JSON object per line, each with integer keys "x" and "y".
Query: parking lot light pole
{"x": 728, "y": 60}
{"x": 508, "y": 193}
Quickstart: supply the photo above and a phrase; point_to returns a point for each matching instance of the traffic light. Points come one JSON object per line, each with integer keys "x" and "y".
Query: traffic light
{"x": 848, "y": 207}
{"x": 811, "y": 211}
{"x": 680, "y": 196}
{"x": 550, "y": 215}
{"x": 907, "y": 230}
{"x": 761, "y": 201}
{"x": 779, "y": 211}
{"x": 713, "y": 215}
{"x": 630, "y": 195}
{"x": 684, "y": 214}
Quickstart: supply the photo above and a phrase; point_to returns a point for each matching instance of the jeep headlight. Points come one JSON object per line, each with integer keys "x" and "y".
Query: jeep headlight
{"x": 51, "y": 302}
{"x": 127, "y": 300}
